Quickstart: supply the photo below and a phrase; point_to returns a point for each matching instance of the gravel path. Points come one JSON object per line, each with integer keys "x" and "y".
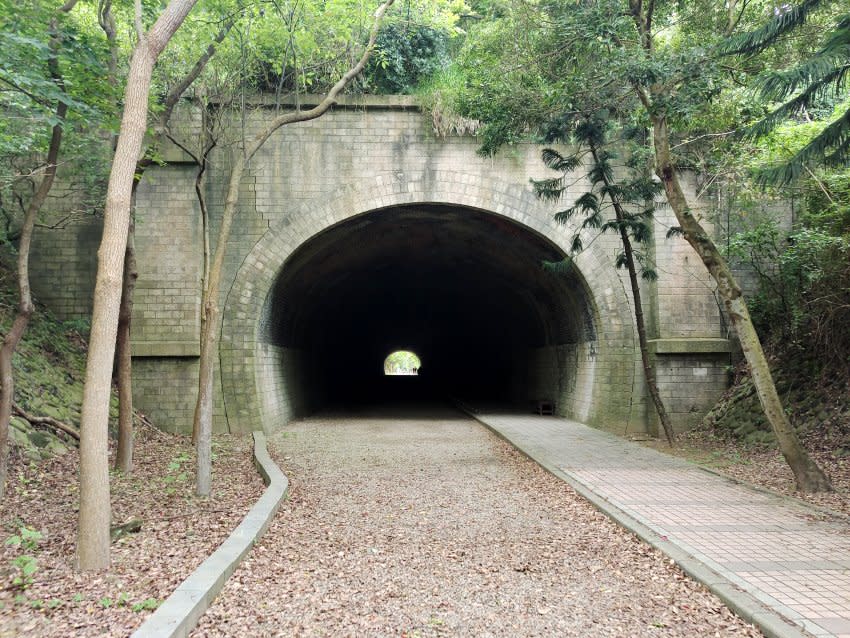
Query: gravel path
{"x": 427, "y": 525}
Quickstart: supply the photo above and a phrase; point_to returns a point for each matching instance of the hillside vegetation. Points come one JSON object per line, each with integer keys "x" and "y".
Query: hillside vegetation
{"x": 50, "y": 368}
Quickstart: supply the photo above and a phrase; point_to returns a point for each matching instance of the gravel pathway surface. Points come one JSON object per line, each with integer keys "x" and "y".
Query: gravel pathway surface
{"x": 406, "y": 523}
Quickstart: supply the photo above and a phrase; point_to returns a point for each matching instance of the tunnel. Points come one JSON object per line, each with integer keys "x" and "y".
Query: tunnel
{"x": 464, "y": 289}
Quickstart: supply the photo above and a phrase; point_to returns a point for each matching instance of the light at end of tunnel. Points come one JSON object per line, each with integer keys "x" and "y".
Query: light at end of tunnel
{"x": 402, "y": 362}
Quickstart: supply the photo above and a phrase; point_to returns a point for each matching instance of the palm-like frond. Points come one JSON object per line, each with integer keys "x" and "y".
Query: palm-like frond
{"x": 825, "y": 72}
{"x": 785, "y": 21}
{"x": 620, "y": 260}
{"x": 551, "y": 189}
{"x": 601, "y": 172}
{"x": 564, "y": 216}
{"x": 641, "y": 231}
{"x": 831, "y": 147}
{"x": 577, "y": 246}
{"x": 558, "y": 162}
{"x": 648, "y": 274}
{"x": 594, "y": 220}
{"x": 587, "y": 203}
{"x": 816, "y": 76}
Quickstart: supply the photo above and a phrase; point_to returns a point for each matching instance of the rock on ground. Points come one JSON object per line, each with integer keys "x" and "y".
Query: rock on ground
{"x": 405, "y": 524}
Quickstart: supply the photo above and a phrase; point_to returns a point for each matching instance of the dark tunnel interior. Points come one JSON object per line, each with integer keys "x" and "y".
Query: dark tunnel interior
{"x": 463, "y": 289}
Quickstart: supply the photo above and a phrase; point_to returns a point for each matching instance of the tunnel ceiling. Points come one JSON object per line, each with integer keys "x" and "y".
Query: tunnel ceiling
{"x": 405, "y": 276}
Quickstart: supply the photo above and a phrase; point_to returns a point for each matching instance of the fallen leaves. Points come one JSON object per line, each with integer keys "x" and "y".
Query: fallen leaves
{"x": 407, "y": 543}
{"x": 178, "y": 531}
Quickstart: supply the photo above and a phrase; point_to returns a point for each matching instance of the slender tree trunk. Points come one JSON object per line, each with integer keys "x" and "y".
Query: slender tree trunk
{"x": 648, "y": 367}
{"x": 124, "y": 452}
{"x": 25, "y": 304}
{"x": 202, "y": 437}
{"x": 808, "y": 476}
{"x": 202, "y": 424}
{"x": 94, "y": 514}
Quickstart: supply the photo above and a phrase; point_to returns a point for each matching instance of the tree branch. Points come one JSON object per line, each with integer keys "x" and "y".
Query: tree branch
{"x": 48, "y": 421}
{"x": 180, "y": 88}
{"x": 329, "y": 99}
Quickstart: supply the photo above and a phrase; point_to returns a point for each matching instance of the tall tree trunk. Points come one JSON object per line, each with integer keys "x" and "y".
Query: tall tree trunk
{"x": 202, "y": 437}
{"x": 124, "y": 451}
{"x": 202, "y": 424}
{"x": 808, "y": 476}
{"x": 94, "y": 513}
{"x": 25, "y": 304}
{"x": 648, "y": 367}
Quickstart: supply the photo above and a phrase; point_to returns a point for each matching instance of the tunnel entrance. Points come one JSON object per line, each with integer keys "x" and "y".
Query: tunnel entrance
{"x": 463, "y": 288}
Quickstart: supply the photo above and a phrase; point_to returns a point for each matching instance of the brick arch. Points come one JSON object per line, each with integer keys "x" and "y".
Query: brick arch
{"x": 614, "y": 361}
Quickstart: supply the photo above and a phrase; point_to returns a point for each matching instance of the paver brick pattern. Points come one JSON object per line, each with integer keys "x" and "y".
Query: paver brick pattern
{"x": 789, "y": 556}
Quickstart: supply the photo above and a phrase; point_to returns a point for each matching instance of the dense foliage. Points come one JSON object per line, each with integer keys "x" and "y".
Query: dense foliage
{"x": 405, "y": 55}
{"x": 296, "y": 46}
{"x": 756, "y": 98}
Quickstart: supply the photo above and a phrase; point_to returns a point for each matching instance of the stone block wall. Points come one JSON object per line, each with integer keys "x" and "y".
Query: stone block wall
{"x": 169, "y": 244}
{"x": 690, "y": 385}
{"x": 165, "y": 389}
{"x": 310, "y": 176}
{"x": 64, "y": 265}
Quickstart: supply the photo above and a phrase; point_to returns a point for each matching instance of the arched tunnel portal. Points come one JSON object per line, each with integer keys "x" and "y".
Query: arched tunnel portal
{"x": 315, "y": 311}
{"x": 464, "y": 289}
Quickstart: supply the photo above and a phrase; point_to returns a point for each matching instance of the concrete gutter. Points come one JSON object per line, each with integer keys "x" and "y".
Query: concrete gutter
{"x": 771, "y": 623}
{"x": 179, "y": 614}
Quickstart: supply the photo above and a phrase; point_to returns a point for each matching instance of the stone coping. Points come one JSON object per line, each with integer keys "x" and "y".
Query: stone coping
{"x": 179, "y": 614}
{"x": 166, "y": 349}
{"x": 690, "y": 345}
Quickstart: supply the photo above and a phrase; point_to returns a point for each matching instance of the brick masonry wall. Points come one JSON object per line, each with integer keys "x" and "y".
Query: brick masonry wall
{"x": 686, "y": 305}
{"x": 690, "y": 385}
{"x": 313, "y": 175}
{"x": 169, "y": 243}
{"x": 63, "y": 265}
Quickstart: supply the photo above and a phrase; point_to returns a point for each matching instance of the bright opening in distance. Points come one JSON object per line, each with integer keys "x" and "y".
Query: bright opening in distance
{"x": 402, "y": 362}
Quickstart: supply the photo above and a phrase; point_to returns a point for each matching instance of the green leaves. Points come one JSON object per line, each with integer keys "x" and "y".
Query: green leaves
{"x": 786, "y": 19}
{"x": 26, "y": 565}
{"x": 802, "y": 87}
{"x": 406, "y": 55}
{"x": 625, "y": 199}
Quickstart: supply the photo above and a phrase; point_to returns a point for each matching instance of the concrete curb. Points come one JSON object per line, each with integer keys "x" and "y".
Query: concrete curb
{"x": 179, "y": 614}
{"x": 745, "y": 605}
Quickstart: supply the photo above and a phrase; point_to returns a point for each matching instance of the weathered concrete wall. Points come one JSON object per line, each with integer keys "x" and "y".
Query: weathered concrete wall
{"x": 364, "y": 156}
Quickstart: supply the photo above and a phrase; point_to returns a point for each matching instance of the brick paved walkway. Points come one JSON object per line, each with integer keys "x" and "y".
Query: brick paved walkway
{"x": 788, "y": 557}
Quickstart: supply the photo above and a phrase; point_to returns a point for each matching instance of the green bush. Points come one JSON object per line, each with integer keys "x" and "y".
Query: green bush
{"x": 804, "y": 296}
{"x": 406, "y": 55}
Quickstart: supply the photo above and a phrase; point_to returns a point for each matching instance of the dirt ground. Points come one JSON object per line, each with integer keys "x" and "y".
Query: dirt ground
{"x": 179, "y": 530}
{"x": 401, "y": 525}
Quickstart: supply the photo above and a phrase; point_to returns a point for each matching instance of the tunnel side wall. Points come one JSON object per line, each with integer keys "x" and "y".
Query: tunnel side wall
{"x": 565, "y": 374}
{"x": 284, "y": 387}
